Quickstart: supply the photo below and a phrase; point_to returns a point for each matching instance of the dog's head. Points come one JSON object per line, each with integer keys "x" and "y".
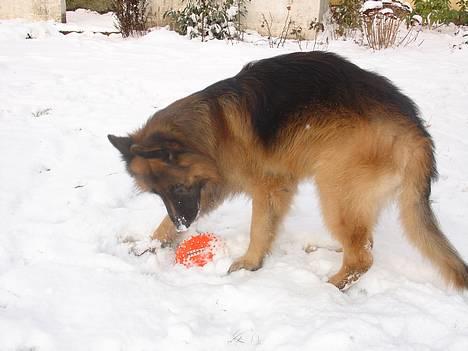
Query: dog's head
{"x": 163, "y": 165}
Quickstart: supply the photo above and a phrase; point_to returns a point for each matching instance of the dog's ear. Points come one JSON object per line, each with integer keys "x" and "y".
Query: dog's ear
{"x": 122, "y": 144}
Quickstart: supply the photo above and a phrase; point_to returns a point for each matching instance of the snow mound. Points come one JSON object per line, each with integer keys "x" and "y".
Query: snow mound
{"x": 19, "y": 29}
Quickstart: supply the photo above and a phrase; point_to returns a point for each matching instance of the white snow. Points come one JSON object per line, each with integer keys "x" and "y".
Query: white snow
{"x": 417, "y": 18}
{"x": 232, "y": 11}
{"x": 385, "y": 11}
{"x": 407, "y": 6}
{"x": 70, "y": 215}
{"x": 86, "y": 20}
{"x": 371, "y": 5}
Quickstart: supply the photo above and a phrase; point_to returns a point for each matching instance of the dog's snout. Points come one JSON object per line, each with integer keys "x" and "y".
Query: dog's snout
{"x": 180, "y": 189}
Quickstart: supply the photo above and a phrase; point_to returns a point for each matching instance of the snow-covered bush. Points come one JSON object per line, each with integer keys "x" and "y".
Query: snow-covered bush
{"x": 131, "y": 16}
{"x": 382, "y": 20}
{"x": 460, "y": 40}
{"x": 433, "y": 12}
{"x": 209, "y": 19}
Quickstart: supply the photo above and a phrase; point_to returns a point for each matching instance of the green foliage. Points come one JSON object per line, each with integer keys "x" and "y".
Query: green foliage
{"x": 347, "y": 17}
{"x": 463, "y": 12}
{"x": 436, "y": 12}
{"x": 433, "y": 12}
{"x": 209, "y": 19}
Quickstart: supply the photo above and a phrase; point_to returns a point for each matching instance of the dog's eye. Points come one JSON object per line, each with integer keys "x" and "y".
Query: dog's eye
{"x": 165, "y": 155}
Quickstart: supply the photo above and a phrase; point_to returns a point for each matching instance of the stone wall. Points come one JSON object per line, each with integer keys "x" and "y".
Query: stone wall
{"x": 302, "y": 12}
{"x": 159, "y": 7}
{"x": 101, "y": 6}
{"x": 38, "y": 10}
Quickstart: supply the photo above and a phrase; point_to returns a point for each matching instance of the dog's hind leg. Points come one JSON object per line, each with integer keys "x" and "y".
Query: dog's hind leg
{"x": 357, "y": 255}
{"x": 270, "y": 202}
{"x": 350, "y": 207}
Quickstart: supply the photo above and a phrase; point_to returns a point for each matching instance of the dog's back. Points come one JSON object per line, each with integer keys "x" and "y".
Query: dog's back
{"x": 278, "y": 89}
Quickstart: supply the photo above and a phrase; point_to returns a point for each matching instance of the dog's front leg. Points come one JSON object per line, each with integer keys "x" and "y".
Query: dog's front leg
{"x": 269, "y": 205}
{"x": 165, "y": 233}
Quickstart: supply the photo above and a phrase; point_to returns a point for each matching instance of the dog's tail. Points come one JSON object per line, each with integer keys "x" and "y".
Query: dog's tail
{"x": 420, "y": 222}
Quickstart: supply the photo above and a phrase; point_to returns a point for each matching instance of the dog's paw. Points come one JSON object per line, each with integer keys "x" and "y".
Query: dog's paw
{"x": 344, "y": 281}
{"x": 171, "y": 244}
{"x": 245, "y": 263}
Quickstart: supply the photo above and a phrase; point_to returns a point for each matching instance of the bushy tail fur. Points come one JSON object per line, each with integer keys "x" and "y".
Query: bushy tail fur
{"x": 420, "y": 222}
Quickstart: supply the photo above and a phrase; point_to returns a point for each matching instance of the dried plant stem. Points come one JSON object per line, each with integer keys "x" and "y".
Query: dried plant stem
{"x": 381, "y": 31}
{"x": 284, "y": 30}
{"x": 268, "y": 27}
{"x": 132, "y": 16}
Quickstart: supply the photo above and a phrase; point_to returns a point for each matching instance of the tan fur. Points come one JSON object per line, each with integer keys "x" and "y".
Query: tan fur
{"x": 359, "y": 162}
{"x": 421, "y": 225}
{"x": 165, "y": 232}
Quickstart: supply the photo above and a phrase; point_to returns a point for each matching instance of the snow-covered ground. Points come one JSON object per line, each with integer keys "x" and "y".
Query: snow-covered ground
{"x": 69, "y": 214}
{"x": 86, "y": 20}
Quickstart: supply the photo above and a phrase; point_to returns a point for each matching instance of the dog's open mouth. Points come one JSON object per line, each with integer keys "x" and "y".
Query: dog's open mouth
{"x": 183, "y": 207}
{"x": 181, "y": 224}
{"x": 182, "y": 221}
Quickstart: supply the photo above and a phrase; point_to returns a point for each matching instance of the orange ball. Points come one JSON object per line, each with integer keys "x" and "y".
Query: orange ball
{"x": 197, "y": 250}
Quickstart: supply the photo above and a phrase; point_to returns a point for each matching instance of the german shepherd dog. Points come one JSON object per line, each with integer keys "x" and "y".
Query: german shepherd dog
{"x": 285, "y": 119}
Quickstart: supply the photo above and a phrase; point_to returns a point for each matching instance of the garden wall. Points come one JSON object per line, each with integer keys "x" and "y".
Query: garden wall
{"x": 33, "y": 9}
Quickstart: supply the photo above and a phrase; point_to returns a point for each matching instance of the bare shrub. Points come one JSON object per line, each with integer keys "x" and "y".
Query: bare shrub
{"x": 381, "y": 22}
{"x": 295, "y": 32}
{"x": 132, "y": 16}
{"x": 318, "y": 27}
{"x": 281, "y": 40}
